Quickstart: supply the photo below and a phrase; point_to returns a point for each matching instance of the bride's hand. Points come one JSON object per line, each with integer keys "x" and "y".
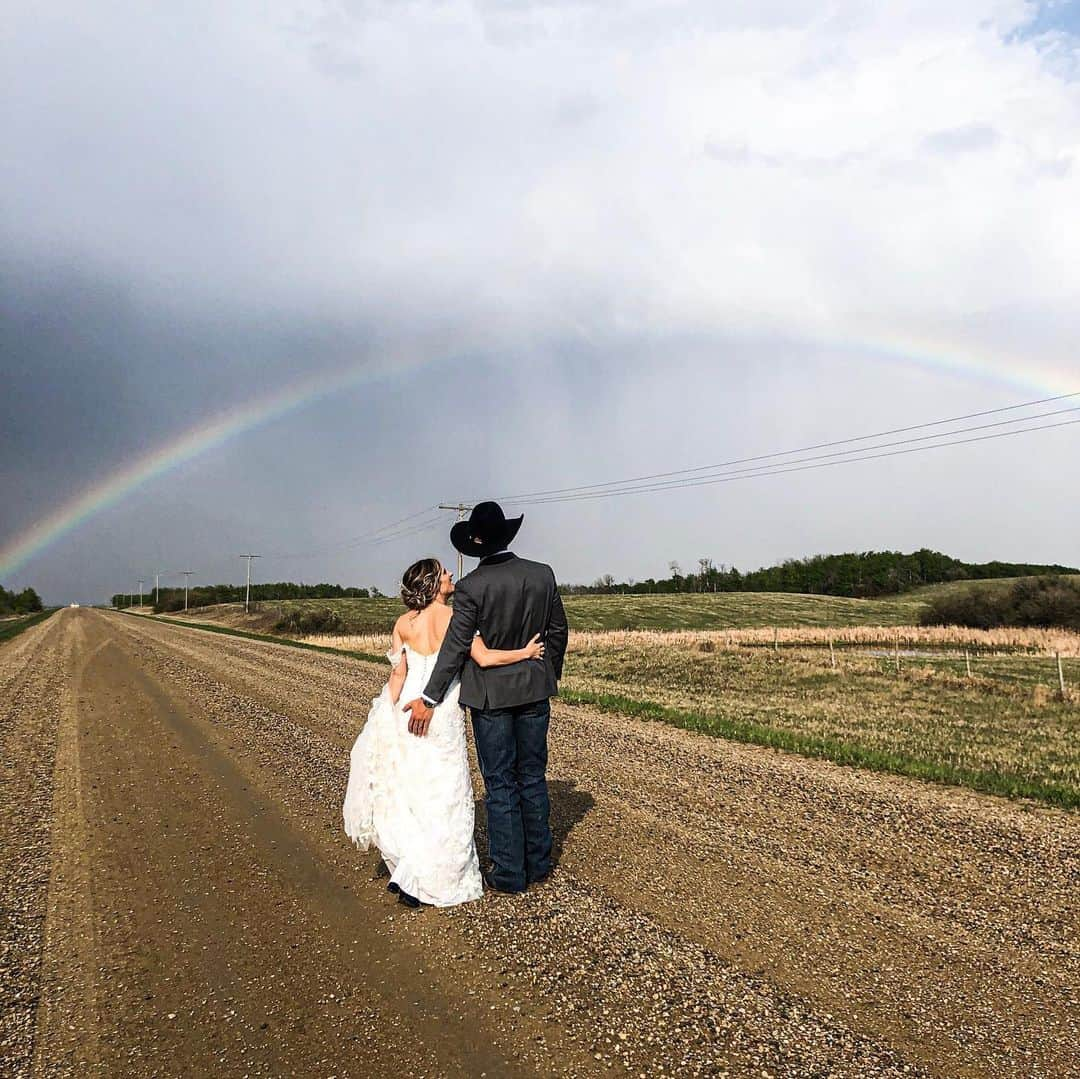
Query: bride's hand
{"x": 535, "y": 648}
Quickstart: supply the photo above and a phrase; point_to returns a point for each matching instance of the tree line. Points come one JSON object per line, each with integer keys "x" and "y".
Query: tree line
{"x": 172, "y": 599}
{"x": 856, "y": 574}
{"x": 25, "y": 602}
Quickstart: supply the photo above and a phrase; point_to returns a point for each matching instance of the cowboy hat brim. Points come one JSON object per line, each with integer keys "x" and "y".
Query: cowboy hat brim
{"x": 463, "y": 541}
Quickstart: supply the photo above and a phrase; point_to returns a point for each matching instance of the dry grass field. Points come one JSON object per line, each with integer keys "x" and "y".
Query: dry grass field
{"x": 912, "y": 638}
{"x": 1003, "y": 729}
{"x": 758, "y": 668}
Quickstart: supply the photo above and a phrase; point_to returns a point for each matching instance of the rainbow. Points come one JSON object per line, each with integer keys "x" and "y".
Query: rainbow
{"x": 928, "y": 355}
{"x": 164, "y": 458}
{"x": 953, "y": 359}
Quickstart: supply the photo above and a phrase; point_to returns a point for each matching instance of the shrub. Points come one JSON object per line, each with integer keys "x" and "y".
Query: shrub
{"x": 304, "y": 621}
{"x": 1032, "y": 601}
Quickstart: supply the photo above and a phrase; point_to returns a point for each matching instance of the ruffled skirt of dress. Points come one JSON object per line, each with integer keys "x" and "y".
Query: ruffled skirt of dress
{"x": 412, "y": 798}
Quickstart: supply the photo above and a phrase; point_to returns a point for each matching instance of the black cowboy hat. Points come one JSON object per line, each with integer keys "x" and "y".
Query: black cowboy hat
{"x": 486, "y": 532}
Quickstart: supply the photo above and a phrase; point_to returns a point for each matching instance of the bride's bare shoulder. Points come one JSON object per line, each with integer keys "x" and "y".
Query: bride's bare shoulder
{"x": 403, "y": 626}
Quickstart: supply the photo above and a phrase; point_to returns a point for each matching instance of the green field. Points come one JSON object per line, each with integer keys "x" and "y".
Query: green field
{"x": 736, "y": 610}
{"x": 731, "y": 610}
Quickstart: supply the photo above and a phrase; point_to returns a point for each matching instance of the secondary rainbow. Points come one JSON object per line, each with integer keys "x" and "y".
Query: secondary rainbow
{"x": 925, "y": 354}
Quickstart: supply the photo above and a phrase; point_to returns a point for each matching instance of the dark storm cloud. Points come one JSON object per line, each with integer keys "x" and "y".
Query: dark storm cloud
{"x": 92, "y": 362}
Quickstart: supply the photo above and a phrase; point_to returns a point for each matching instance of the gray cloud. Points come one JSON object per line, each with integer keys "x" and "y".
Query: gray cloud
{"x": 506, "y": 211}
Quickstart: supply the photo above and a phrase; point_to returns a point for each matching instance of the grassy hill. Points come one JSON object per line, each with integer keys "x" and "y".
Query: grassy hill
{"x": 730, "y": 610}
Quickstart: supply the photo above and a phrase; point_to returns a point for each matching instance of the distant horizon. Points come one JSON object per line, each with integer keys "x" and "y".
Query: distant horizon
{"x": 688, "y": 571}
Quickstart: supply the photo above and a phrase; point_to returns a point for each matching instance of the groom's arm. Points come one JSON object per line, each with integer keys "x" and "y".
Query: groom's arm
{"x": 557, "y": 635}
{"x": 455, "y": 648}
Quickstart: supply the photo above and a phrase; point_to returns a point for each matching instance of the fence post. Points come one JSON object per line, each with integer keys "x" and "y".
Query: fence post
{"x": 832, "y": 654}
{"x": 775, "y": 639}
{"x": 896, "y": 653}
{"x": 1061, "y": 678}
{"x": 967, "y": 661}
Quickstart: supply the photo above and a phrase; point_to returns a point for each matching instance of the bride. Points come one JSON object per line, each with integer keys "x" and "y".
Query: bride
{"x": 412, "y": 797}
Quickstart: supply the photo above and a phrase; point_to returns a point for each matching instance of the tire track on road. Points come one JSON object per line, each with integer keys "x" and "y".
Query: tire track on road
{"x": 69, "y": 1021}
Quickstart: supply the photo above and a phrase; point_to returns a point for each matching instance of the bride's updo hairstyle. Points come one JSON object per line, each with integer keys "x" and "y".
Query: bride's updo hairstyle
{"x": 420, "y": 583}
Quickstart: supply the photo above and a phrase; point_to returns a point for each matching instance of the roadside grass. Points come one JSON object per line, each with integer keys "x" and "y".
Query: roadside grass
{"x": 1007, "y": 785}
{"x": 12, "y": 627}
{"x": 357, "y": 616}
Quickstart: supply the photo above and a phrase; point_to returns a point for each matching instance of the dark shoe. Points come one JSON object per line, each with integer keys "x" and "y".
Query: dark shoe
{"x": 541, "y": 879}
{"x": 382, "y": 870}
{"x": 407, "y": 900}
{"x": 492, "y": 885}
{"x": 392, "y": 888}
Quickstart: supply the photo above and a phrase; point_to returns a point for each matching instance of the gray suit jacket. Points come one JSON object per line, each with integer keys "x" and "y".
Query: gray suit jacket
{"x": 509, "y": 600}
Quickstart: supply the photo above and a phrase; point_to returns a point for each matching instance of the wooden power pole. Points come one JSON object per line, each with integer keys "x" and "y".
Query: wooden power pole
{"x": 247, "y": 590}
{"x": 461, "y": 510}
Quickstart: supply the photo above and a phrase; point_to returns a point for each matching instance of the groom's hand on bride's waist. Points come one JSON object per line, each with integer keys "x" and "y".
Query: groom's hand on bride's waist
{"x": 420, "y": 713}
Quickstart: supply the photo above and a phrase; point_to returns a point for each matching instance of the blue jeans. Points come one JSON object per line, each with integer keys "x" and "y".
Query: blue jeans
{"x": 511, "y": 746}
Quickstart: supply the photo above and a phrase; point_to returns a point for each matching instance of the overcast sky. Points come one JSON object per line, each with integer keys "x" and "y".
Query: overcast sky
{"x": 572, "y": 241}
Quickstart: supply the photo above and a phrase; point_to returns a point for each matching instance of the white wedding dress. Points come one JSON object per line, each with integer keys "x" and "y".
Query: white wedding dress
{"x": 412, "y": 797}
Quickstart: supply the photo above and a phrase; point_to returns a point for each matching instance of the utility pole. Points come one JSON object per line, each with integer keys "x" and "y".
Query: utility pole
{"x": 247, "y": 592}
{"x": 140, "y": 592}
{"x": 186, "y": 573}
{"x": 157, "y": 579}
{"x": 461, "y": 511}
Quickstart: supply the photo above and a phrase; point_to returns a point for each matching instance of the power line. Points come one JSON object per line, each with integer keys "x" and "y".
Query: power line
{"x": 704, "y": 475}
{"x": 862, "y": 449}
{"x": 780, "y": 463}
{"x": 373, "y": 536}
{"x": 788, "y": 453}
{"x": 780, "y": 470}
{"x": 418, "y": 530}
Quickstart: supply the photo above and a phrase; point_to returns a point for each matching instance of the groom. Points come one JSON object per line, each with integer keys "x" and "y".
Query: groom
{"x": 508, "y": 600}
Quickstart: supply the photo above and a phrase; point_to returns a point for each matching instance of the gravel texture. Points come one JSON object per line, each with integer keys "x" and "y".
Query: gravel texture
{"x": 32, "y": 670}
{"x": 716, "y": 909}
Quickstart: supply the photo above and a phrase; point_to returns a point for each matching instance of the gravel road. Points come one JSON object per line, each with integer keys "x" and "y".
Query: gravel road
{"x": 177, "y": 897}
